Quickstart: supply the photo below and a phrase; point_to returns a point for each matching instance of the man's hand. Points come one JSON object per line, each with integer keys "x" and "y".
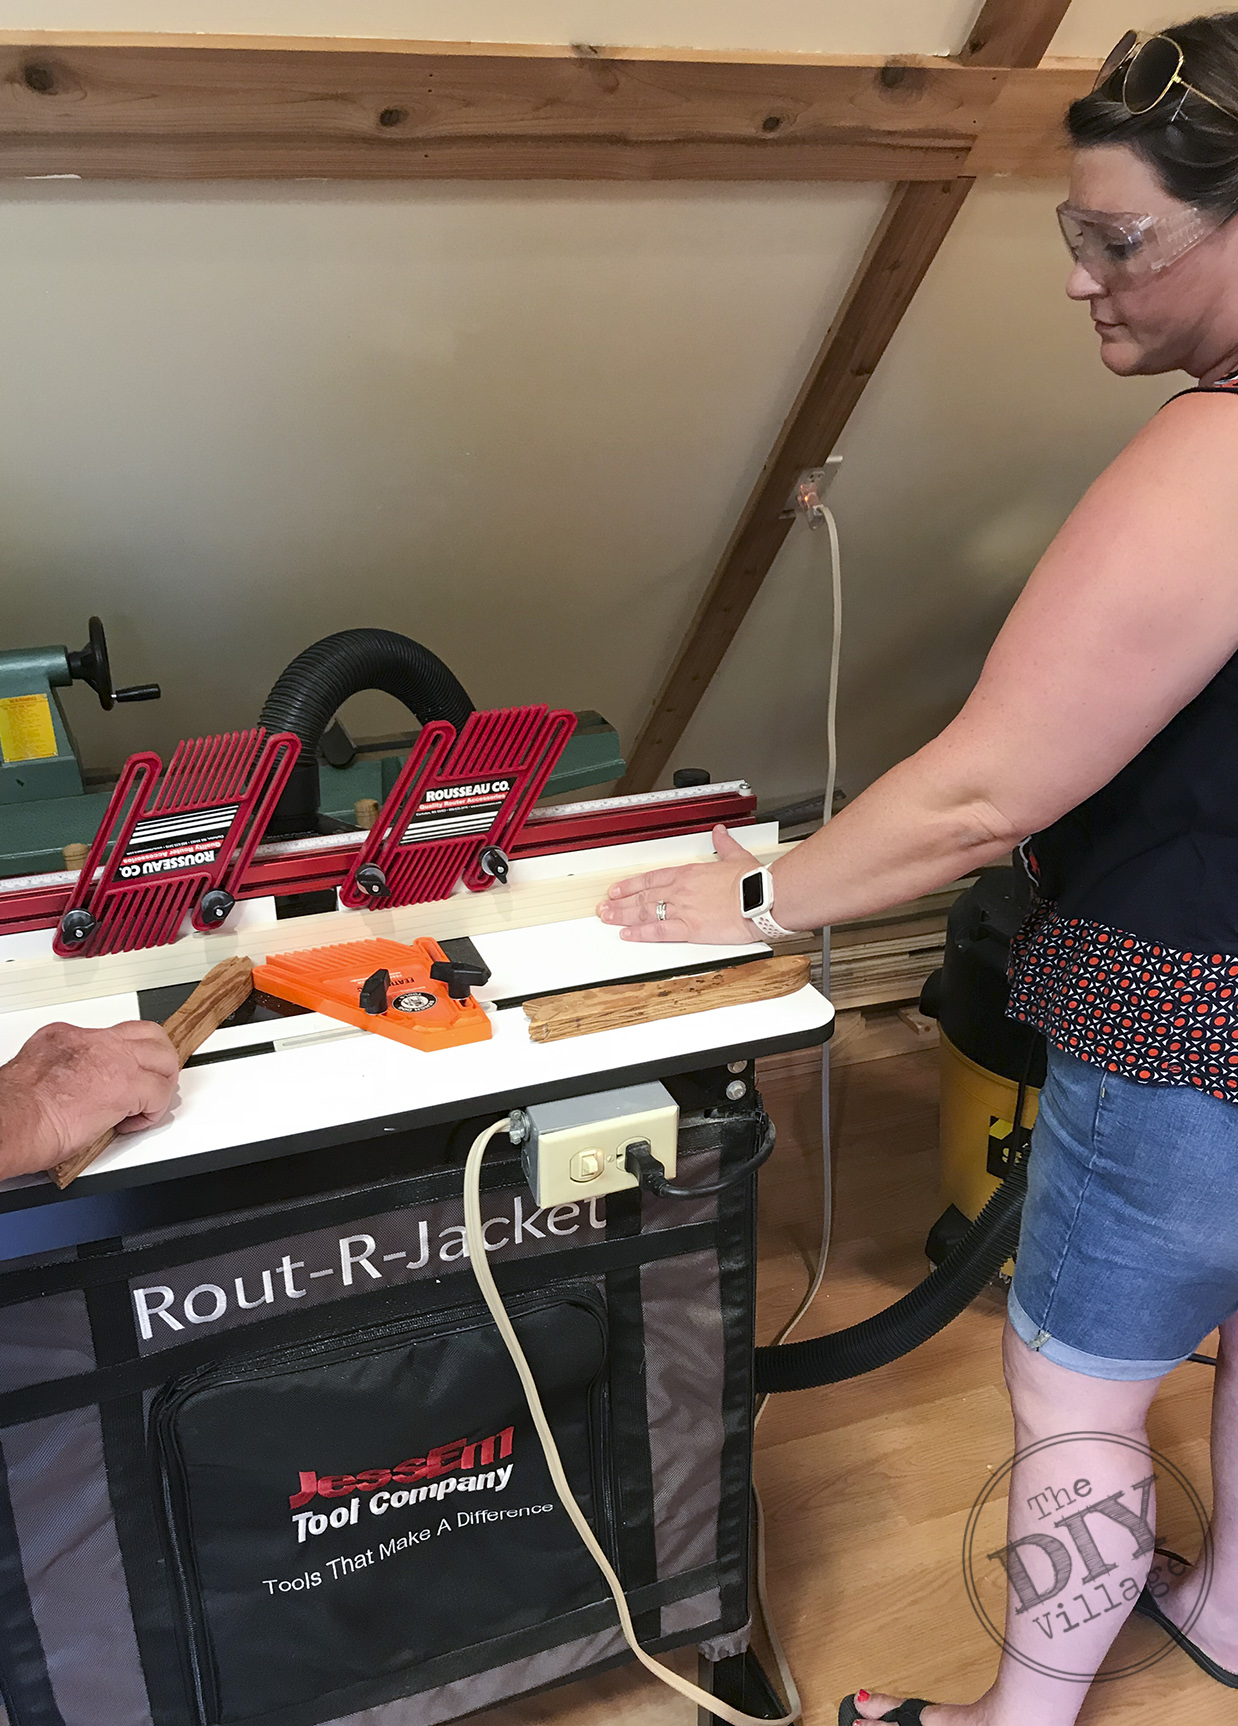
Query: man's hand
{"x": 68, "y": 1085}
{"x": 701, "y": 900}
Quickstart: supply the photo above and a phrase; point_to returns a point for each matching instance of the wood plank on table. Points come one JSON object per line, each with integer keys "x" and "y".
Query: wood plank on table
{"x": 45, "y": 980}
{"x": 215, "y": 999}
{"x": 579, "y": 1012}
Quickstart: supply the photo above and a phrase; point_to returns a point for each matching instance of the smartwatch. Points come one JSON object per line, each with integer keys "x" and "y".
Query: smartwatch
{"x": 756, "y": 896}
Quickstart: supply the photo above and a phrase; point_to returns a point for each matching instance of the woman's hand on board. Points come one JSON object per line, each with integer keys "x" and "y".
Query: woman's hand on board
{"x": 700, "y": 901}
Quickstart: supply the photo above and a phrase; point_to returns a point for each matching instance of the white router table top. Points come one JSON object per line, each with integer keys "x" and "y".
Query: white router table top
{"x": 310, "y": 1078}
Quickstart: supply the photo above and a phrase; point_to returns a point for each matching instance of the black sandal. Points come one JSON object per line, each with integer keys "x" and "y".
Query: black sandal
{"x": 1146, "y": 1607}
{"x": 909, "y": 1713}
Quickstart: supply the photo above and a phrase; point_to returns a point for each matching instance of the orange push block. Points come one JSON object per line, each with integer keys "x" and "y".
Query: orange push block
{"x": 382, "y": 986}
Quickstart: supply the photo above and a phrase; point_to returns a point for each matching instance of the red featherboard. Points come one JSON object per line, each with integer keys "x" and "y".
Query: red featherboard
{"x": 314, "y": 865}
{"x": 458, "y": 796}
{"x": 167, "y": 841}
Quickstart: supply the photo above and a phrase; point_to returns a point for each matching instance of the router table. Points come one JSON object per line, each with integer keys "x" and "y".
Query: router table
{"x": 271, "y": 1287}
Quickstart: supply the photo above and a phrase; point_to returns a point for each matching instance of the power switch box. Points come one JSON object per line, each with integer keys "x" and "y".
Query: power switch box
{"x": 578, "y": 1149}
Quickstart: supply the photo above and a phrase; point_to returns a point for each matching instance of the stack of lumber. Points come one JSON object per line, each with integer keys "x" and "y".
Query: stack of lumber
{"x": 884, "y": 958}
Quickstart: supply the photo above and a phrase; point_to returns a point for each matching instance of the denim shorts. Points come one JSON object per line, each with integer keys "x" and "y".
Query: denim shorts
{"x": 1128, "y": 1254}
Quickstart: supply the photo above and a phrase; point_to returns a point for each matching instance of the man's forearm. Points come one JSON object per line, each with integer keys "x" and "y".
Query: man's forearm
{"x": 20, "y": 1148}
{"x": 908, "y": 834}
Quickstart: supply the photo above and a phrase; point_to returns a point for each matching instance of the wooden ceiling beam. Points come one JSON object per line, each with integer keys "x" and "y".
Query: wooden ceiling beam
{"x": 247, "y": 108}
{"x": 1024, "y": 134}
{"x": 1012, "y": 33}
{"x": 915, "y": 223}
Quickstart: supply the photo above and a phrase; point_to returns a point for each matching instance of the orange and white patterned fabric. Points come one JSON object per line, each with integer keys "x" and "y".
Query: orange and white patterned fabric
{"x": 1136, "y": 1007}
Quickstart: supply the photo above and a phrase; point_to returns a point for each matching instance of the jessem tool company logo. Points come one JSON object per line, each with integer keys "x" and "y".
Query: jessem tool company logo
{"x": 463, "y": 1465}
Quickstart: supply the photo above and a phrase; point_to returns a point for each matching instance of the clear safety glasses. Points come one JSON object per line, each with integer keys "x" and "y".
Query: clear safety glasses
{"x": 1151, "y": 66}
{"x": 1120, "y": 249}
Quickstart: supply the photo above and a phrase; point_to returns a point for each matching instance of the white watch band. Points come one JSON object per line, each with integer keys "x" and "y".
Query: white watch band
{"x": 769, "y": 927}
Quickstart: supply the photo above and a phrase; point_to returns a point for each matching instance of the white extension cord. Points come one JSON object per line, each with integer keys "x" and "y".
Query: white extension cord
{"x": 490, "y": 1294}
{"x": 789, "y": 1687}
{"x": 831, "y": 722}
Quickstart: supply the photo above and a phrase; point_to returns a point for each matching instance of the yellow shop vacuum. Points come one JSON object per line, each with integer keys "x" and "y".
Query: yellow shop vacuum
{"x": 986, "y": 1058}
{"x": 991, "y": 1073}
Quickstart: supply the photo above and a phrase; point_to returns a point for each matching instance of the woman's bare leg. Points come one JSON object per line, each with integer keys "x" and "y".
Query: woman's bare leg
{"x": 1080, "y": 1508}
{"x": 1214, "y": 1626}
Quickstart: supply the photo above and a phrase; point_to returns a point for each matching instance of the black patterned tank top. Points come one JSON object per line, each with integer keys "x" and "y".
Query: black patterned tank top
{"x": 1129, "y": 957}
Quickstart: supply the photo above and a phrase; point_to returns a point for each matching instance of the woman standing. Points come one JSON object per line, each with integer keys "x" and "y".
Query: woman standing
{"x": 1105, "y": 725}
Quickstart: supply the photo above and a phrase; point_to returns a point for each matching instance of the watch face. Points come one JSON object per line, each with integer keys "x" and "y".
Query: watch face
{"x": 752, "y": 893}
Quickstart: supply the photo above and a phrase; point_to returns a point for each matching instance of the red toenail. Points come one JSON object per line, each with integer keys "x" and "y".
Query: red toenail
{"x": 861, "y": 1695}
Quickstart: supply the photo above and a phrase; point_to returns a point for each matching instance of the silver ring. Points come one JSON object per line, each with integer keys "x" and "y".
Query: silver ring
{"x": 659, "y": 910}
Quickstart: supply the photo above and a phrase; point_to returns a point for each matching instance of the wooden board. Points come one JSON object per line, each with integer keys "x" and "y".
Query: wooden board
{"x": 893, "y": 970}
{"x": 216, "y": 998}
{"x": 47, "y": 980}
{"x": 884, "y": 958}
{"x": 155, "y": 107}
{"x": 582, "y": 1011}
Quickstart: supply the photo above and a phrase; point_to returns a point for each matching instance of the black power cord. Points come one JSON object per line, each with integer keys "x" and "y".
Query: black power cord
{"x": 652, "y": 1174}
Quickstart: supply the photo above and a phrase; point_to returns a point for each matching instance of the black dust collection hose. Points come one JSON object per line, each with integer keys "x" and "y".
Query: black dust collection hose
{"x": 968, "y": 996}
{"x": 310, "y": 690}
{"x": 929, "y": 1308}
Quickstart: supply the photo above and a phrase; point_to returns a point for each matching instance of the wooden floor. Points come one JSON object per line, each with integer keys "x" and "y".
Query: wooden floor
{"x": 867, "y": 1485}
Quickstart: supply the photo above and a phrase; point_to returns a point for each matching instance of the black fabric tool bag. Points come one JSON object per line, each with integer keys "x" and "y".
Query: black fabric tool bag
{"x": 343, "y": 1511}
{"x": 274, "y": 1468}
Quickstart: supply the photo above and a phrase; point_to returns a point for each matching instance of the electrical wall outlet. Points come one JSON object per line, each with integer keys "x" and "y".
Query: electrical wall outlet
{"x": 577, "y": 1149}
{"x": 808, "y": 497}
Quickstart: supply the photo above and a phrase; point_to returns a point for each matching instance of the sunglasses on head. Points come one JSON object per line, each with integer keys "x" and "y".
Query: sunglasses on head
{"x": 1151, "y": 66}
{"x": 1122, "y": 248}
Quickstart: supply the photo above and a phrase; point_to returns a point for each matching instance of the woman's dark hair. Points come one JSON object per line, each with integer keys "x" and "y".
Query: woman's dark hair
{"x": 1191, "y": 147}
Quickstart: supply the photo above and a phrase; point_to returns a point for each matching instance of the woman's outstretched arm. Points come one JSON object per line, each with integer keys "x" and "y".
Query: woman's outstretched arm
{"x": 1130, "y": 613}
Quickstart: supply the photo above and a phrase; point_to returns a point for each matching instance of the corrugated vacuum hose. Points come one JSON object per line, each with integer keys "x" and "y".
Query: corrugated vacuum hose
{"x": 308, "y": 692}
{"x": 929, "y": 1307}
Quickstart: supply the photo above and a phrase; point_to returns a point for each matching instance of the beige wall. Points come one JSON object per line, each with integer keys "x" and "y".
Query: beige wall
{"x": 985, "y": 422}
{"x": 790, "y": 26}
{"x": 1091, "y": 27}
{"x": 512, "y": 422}
{"x": 518, "y": 421}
